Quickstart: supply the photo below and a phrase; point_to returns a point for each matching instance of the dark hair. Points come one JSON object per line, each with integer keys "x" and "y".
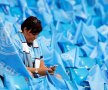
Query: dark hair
{"x": 32, "y": 23}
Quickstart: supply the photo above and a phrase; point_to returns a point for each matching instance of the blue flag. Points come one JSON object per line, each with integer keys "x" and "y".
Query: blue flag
{"x": 9, "y": 59}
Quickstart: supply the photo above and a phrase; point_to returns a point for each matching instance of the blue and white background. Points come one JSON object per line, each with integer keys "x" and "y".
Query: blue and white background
{"x": 74, "y": 36}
